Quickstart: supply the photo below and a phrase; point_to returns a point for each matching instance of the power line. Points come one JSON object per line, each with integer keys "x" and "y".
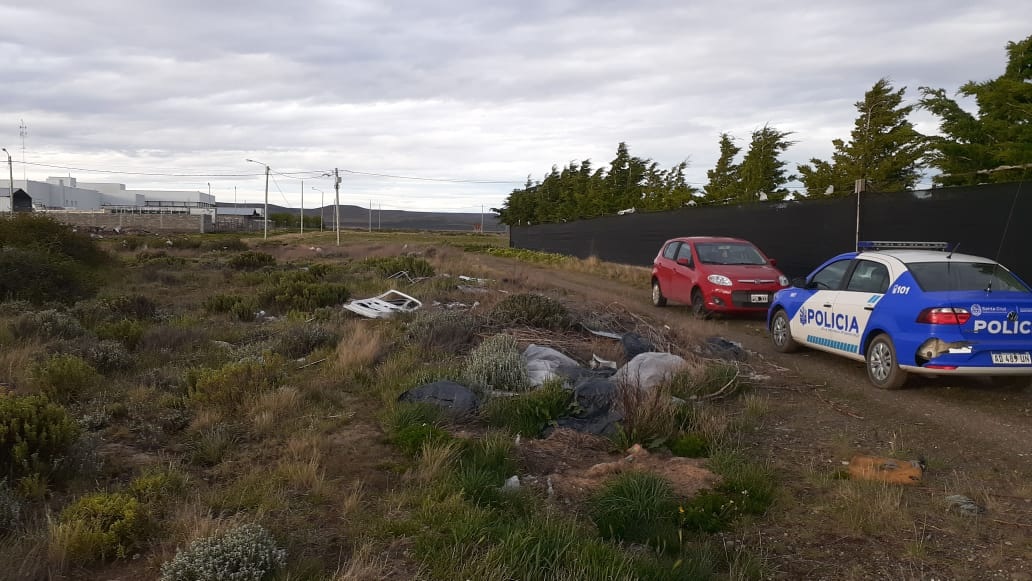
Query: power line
{"x": 423, "y": 179}
{"x": 157, "y": 174}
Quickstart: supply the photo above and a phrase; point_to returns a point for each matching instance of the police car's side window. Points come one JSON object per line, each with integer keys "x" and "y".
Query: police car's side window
{"x": 671, "y": 250}
{"x": 830, "y": 277}
{"x": 869, "y": 277}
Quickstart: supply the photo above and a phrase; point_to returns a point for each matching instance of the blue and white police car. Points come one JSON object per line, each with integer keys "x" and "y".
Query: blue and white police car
{"x": 910, "y": 307}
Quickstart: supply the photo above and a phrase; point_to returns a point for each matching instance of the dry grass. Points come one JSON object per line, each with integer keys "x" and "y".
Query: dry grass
{"x": 362, "y": 346}
{"x": 637, "y": 276}
{"x": 867, "y": 507}
{"x": 206, "y": 419}
{"x": 650, "y": 415}
{"x": 15, "y": 362}
{"x": 352, "y": 501}
{"x": 435, "y": 460}
{"x": 366, "y": 564}
{"x": 25, "y": 555}
{"x": 271, "y": 411}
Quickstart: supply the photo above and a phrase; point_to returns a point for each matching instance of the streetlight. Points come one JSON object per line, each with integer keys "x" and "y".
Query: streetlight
{"x": 266, "y": 216}
{"x": 322, "y": 207}
{"x": 10, "y": 169}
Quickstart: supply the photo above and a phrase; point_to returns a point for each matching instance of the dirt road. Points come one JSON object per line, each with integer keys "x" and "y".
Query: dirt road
{"x": 976, "y": 440}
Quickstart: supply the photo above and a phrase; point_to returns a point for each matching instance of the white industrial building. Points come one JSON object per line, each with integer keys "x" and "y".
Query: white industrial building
{"x": 69, "y": 194}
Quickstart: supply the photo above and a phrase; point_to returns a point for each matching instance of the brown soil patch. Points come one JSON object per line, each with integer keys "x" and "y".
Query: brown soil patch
{"x": 577, "y": 464}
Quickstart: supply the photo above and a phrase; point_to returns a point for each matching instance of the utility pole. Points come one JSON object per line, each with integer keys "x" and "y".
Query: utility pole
{"x": 23, "y": 131}
{"x": 860, "y": 186}
{"x": 370, "y": 228}
{"x": 481, "y": 218}
{"x": 379, "y": 216}
{"x": 10, "y": 169}
{"x": 336, "y": 205}
{"x": 234, "y": 196}
{"x": 302, "y": 208}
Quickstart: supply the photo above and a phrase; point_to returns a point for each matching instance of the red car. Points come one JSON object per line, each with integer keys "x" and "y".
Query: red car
{"x": 713, "y": 274}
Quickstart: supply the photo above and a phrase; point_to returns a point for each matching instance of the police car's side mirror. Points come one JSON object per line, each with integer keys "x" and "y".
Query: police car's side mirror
{"x": 799, "y": 282}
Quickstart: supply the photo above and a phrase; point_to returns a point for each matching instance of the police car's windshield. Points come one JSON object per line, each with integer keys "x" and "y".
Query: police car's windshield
{"x": 728, "y": 253}
{"x": 964, "y": 276}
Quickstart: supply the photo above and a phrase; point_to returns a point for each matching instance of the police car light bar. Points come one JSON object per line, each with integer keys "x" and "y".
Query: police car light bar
{"x": 902, "y": 245}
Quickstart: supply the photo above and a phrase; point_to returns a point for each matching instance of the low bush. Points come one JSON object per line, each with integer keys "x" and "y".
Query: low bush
{"x": 64, "y": 378}
{"x": 209, "y": 446}
{"x": 35, "y": 434}
{"x": 126, "y": 331}
{"x": 42, "y": 233}
{"x": 528, "y": 414}
{"x": 49, "y": 324}
{"x": 230, "y": 385}
{"x": 251, "y": 260}
{"x": 745, "y": 489}
{"x": 158, "y": 486}
{"x": 637, "y": 507}
{"x": 690, "y": 384}
{"x": 300, "y": 340}
{"x": 223, "y": 244}
{"x": 531, "y": 310}
{"x": 132, "y": 307}
{"x": 40, "y": 277}
{"x": 102, "y": 526}
{"x": 244, "y": 553}
{"x": 106, "y": 356}
{"x": 415, "y": 267}
{"x": 243, "y": 308}
{"x": 447, "y": 331}
{"x": 300, "y": 295}
{"x": 167, "y": 338}
{"x": 497, "y": 364}
{"x": 158, "y": 258}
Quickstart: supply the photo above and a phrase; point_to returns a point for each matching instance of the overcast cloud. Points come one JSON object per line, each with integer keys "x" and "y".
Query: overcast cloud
{"x": 470, "y": 90}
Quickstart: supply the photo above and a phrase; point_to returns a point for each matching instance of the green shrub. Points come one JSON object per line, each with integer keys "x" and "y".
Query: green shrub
{"x": 714, "y": 377}
{"x": 251, "y": 260}
{"x": 691, "y": 445}
{"x": 132, "y": 307}
{"x": 637, "y": 507}
{"x": 300, "y": 295}
{"x": 48, "y": 324}
{"x": 157, "y": 258}
{"x": 42, "y": 233}
{"x": 300, "y": 340}
{"x": 448, "y": 331}
{"x": 158, "y": 486}
{"x": 245, "y": 553}
{"x": 528, "y": 414}
{"x": 242, "y": 308}
{"x": 103, "y": 526}
{"x": 497, "y": 364}
{"x": 411, "y": 425}
{"x": 126, "y": 331}
{"x": 483, "y": 466}
{"x": 106, "y": 356}
{"x": 531, "y": 310}
{"x": 230, "y": 385}
{"x": 36, "y": 436}
{"x": 64, "y": 378}
{"x": 11, "y": 506}
{"x": 167, "y": 338}
{"x": 209, "y": 446}
{"x": 223, "y": 244}
{"x": 415, "y": 267}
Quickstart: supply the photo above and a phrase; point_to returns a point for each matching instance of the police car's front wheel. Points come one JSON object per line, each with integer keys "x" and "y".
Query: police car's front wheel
{"x": 882, "y": 367}
{"x": 781, "y": 334}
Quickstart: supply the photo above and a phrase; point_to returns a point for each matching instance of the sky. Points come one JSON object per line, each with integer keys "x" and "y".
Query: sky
{"x": 469, "y": 97}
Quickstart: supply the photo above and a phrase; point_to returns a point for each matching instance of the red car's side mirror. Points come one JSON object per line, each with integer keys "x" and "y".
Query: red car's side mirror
{"x": 773, "y": 261}
{"x": 684, "y": 262}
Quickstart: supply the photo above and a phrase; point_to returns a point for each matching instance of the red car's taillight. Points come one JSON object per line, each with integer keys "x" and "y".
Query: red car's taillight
{"x": 944, "y": 316}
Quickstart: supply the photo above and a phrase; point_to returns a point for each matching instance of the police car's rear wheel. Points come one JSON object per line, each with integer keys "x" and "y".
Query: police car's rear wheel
{"x": 781, "y": 333}
{"x": 882, "y": 367}
{"x": 657, "y": 295}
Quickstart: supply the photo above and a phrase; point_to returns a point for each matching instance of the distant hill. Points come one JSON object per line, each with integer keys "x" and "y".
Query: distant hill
{"x": 358, "y": 217}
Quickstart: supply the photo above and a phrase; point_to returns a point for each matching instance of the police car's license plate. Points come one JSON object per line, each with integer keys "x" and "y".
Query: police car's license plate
{"x": 759, "y": 298}
{"x": 1012, "y": 359}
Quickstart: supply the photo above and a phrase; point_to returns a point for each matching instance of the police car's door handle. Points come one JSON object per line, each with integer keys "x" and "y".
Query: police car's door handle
{"x": 827, "y": 305}
{"x": 869, "y": 308}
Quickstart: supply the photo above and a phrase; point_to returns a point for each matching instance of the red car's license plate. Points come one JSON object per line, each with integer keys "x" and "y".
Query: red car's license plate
{"x": 759, "y": 298}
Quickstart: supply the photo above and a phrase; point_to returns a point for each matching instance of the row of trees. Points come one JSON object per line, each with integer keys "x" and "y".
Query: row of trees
{"x": 994, "y": 144}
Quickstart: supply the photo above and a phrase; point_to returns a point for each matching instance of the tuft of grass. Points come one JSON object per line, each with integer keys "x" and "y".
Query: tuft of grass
{"x": 443, "y": 330}
{"x": 232, "y": 384}
{"x": 210, "y": 445}
{"x": 362, "y": 346}
{"x": 242, "y": 308}
{"x": 691, "y": 445}
{"x": 411, "y": 426}
{"x": 415, "y": 267}
{"x": 869, "y": 507}
{"x": 251, "y": 260}
{"x": 298, "y": 341}
{"x": 125, "y": 331}
{"x": 637, "y": 507}
{"x": 650, "y": 416}
{"x": 528, "y": 414}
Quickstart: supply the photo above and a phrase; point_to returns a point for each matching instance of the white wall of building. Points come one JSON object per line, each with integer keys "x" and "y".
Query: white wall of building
{"x": 69, "y": 193}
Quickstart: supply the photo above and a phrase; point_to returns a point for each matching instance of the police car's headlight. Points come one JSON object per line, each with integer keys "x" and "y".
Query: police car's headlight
{"x": 783, "y": 280}
{"x": 719, "y": 279}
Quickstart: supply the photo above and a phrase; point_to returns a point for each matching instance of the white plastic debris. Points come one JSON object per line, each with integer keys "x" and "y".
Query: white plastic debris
{"x": 599, "y": 363}
{"x": 384, "y": 305}
{"x": 648, "y": 370}
{"x": 542, "y": 363}
{"x": 513, "y": 483}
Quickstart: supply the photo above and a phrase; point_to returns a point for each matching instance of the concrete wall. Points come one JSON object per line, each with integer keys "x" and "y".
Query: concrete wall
{"x": 148, "y": 222}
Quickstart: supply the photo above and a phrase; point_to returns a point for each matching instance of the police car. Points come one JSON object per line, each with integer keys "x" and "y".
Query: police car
{"x": 910, "y": 307}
